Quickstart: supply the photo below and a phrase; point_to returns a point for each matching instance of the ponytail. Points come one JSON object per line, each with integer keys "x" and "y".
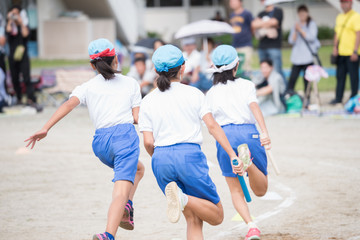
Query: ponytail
{"x": 103, "y": 66}
{"x": 164, "y": 80}
{"x": 224, "y": 76}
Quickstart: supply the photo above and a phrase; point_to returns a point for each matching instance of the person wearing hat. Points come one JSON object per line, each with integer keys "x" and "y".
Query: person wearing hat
{"x": 347, "y": 50}
{"x": 193, "y": 58}
{"x": 268, "y": 27}
{"x": 116, "y": 142}
{"x": 234, "y": 106}
{"x": 170, "y": 121}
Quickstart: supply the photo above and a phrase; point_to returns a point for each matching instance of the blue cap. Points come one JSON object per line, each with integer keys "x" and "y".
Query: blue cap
{"x": 223, "y": 55}
{"x": 98, "y": 48}
{"x": 167, "y": 57}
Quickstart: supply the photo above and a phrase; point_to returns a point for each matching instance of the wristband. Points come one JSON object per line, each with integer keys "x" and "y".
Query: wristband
{"x": 355, "y": 52}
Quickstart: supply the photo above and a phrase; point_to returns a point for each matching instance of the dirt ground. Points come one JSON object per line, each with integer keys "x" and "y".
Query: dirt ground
{"x": 60, "y": 190}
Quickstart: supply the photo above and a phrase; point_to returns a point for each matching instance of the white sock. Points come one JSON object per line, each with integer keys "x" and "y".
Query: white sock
{"x": 251, "y": 225}
{"x": 183, "y": 199}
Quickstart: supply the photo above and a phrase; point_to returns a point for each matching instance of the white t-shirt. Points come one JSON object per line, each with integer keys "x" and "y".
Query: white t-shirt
{"x": 110, "y": 102}
{"x": 229, "y": 103}
{"x": 192, "y": 61}
{"x": 173, "y": 116}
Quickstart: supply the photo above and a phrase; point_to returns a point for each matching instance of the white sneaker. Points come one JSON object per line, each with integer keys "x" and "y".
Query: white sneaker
{"x": 245, "y": 155}
{"x": 174, "y": 201}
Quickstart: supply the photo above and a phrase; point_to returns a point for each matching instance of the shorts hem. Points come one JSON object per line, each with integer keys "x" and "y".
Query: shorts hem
{"x": 123, "y": 179}
{"x": 229, "y": 174}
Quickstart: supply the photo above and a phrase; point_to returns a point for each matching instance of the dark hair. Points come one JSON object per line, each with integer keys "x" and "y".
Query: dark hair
{"x": 304, "y": 8}
{"x": 140, "y": 59}
{"x": 268, "y": 61}
{"x": 103, "y": 66}
{"x": 158, "y": 40}
{"x": 224, "y": 76}
{"x": 164, "y": 79}
{"x": 18, "y": 7}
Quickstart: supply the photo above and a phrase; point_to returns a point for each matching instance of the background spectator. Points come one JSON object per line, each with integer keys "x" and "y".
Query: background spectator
{"x": 2, "y": 44}
{"x": 346, "y": 47}
{"x": 301, "y": 56}
{"x": 158, "y": 43}
{"x": 143, "y": 72}
{"x": 17, "y": 35}
{"x": 270, "y": 90}
{"x": 203, "y": 81}
{"x": 192, "y": 56}
{"x": 218, "y": 17}
{"x": 268, "y": 28}
{"x": 241, "y": 20}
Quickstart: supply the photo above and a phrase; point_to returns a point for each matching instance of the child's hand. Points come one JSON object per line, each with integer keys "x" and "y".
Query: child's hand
{"x": 237, "y": 166}
{"x": 36, "y": 137}
{"x": 265, "y": 141}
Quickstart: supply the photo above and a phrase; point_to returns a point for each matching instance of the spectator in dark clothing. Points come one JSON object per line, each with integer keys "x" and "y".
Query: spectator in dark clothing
{"x": 268, "y": 28}
{"x": 17, "y": 36}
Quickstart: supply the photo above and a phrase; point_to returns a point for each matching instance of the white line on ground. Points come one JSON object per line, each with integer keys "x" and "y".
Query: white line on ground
{"x": 283, "y": 205}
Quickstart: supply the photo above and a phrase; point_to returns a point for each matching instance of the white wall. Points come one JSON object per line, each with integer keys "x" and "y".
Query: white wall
{"x": 46, "y": 10}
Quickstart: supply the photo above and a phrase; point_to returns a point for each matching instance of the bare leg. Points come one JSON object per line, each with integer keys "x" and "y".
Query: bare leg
{"x": 139, "y": 175}
{"x": 205, "y": 210}
{"x": 116, "y": 210}
{"x": 258, "y": 181}
{"x": 238, "y": 200}
{"x": 194, "y": 225}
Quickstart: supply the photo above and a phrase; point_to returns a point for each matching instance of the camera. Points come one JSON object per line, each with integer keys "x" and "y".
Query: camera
{"x": 14, "y": 17}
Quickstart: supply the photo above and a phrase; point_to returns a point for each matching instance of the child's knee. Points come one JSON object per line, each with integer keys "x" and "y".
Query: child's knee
{"x": 140, "y": 170}
{"x": 220, "y": 217}
{"x": 260, "y": 191}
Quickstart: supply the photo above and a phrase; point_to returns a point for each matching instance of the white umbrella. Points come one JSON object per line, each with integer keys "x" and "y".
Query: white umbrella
{"x": 204, "y": 28}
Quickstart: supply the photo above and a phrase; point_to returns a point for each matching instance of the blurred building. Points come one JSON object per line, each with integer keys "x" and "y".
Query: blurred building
{"x": 64, "y": 28}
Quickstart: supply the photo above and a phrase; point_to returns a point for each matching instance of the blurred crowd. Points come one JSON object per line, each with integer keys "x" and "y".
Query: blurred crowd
{"x": 273, "y": 88}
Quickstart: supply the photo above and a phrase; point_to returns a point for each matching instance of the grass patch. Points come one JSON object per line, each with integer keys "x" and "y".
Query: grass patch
{"x": 41, "y": 63}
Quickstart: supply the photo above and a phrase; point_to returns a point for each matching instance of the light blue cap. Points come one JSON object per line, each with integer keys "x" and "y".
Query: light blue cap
{"x": 99, "y": 46}
{"x": 167, "y": 57}
{"x": 223, "y": 55}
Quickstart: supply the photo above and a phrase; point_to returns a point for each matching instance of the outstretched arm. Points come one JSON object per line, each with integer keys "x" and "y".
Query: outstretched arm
{"x": 218, "y": 133}
{"x": 255, "y": 109}
{"x": 61, "y": 112}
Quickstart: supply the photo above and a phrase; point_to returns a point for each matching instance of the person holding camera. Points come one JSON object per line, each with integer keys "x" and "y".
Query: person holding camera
{"x": 346, "y": 50}
{"x": 17, "y": 33}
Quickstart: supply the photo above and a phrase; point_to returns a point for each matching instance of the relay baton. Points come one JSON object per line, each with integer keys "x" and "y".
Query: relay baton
{"x": 271, "y": 158}
{"x": 242, "y": 183}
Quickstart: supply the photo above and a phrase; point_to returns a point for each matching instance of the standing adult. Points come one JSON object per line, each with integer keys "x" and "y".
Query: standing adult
{"x": 305, "y": 30}
{"x": 268, "y": 28}
{"x": 17, "y": 35}
{"x": 346, "y": 48}
{"x": 241, "y": 20}
{"x": 193, "y": 58}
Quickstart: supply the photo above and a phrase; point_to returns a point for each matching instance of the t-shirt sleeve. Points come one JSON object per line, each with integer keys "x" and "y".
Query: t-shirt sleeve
{"x": 204, "y": 108}
{"x": 145, "y": 123}
{"x": 356, "y": 23}
{"x": 136, "y": 97}
{"x": 250, "y": 17}
{"x": 80, "y": 93}
{"x": 252, "y": 94}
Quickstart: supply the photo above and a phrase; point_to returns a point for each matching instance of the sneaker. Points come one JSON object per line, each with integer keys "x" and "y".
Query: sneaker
{"x": 334, "y": 102}
{"x": 101, "y": 236}
{"x": 127, "y": 221}
{"x": 245, "y": 155}
{"x": 174, "y": 202}
{"x": 253, "y": 234}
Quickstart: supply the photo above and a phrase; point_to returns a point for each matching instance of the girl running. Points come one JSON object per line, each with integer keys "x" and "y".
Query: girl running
{"x": 234, "y": 106}
{"x": 170, "y": 120}
{"x": 113, "y": 102}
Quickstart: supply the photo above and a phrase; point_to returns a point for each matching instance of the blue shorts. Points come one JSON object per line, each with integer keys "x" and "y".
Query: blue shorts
{"x": 238, "y": 134}
{"x": 186, "y": 165}
{"x": 118, "y": 148}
